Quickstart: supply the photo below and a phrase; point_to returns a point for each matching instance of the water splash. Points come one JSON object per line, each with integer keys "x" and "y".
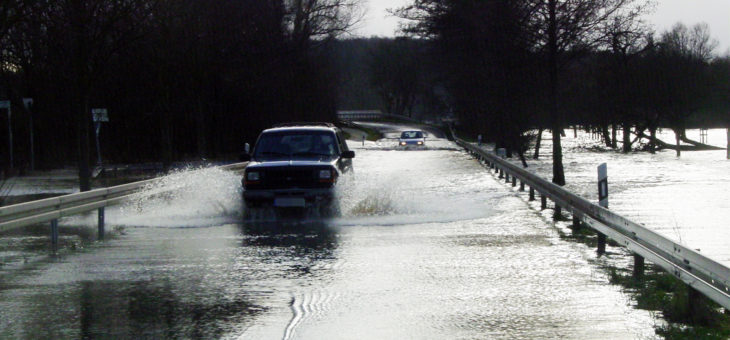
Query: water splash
{"x": 193, "y": 197}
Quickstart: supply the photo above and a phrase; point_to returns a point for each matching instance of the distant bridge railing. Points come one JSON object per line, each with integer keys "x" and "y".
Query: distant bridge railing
{"x": 370, "y": 115}
{"x": 697, "y": 271}
{"x": 52, "y": 209}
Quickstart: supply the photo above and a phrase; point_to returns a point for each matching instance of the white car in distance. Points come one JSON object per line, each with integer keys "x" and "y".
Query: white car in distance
{"x": 412, "y": 138}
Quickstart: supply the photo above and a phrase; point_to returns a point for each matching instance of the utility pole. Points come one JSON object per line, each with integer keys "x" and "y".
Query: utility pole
{"x": 5, "y": 104}
{"x": 28, "y": 103}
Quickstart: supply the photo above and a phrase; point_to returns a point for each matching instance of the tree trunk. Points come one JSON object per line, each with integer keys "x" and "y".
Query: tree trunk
{"x": 200, "y": 120}
{"x": 613, "y": 136}
{"x": 606, "y": 136}
{"x": 677, "y": 138}
{"x": 652, "y": 141}
{"x": 627, "y": 137}
{"x": 166, "y": 138}
{"x": 555, "y": 121}
{"x": 84, "y": 146}
{"x": 537, "y": 144}
{"x": 522, "y": 158}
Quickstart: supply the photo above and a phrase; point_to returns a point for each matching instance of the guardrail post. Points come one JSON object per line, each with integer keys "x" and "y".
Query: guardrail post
{"x": 522, "y": 186}
{"x": 557, "y": 212}
{"x": 501, "y": 173}
{"x": 576, "y": 223}
{"x": 601, "y": 244}
{"x": 694, "y": 299}
{"x": 532, "y": 194}
{"x": 638, "y": 266}
{"x": 54, "y": 234}
{"x": 506, "y": 177}
{"x": 514, "y": 181}
{"x": 100, "y": 214}
{"x": 543, "y": 201}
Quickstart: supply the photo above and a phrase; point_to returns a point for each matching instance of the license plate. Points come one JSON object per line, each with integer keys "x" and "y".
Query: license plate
{"x": 288, "y": 202}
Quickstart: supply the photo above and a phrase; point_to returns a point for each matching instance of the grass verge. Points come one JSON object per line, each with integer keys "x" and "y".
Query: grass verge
{"x": 659, "y": 291}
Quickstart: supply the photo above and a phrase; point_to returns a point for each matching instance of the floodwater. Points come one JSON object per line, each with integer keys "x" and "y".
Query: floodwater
{"x": 686, "y": 198}
{"x": 430, "y": 246}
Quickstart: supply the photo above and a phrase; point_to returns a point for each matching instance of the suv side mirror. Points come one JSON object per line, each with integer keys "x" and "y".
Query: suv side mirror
{"x": 348, "y": 154}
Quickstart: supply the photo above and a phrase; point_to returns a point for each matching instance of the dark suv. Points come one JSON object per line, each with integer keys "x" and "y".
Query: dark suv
{"x": 296, "y": 165}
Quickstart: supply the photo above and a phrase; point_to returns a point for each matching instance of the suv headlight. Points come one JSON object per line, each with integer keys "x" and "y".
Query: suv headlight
{"x": 252, "y": 176}
{"x": 402, "y": 143}
{"x": 325, "y": 174}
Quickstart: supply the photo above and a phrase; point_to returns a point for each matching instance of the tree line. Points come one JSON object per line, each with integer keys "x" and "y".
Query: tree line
{"x": 196, "y": 79}
{"x": 512, "y": 67}
{"x": 180, "y": 79}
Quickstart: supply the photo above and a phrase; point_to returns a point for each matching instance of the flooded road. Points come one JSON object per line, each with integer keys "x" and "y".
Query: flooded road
{"x": 430, "y": 246}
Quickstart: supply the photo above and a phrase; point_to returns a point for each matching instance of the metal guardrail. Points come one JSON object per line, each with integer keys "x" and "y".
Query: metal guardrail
{"x": 51, "y": 209}
{"x": 697, "y": 271}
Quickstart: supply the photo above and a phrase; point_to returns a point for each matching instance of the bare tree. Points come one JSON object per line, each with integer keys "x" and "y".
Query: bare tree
{"x": 316, "y": 20}
{"x": 563, "y": 29}
{"x": 688, "y": 52}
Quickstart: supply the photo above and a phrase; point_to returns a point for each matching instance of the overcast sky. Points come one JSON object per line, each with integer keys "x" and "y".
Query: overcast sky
{"x": 715, "y": 13}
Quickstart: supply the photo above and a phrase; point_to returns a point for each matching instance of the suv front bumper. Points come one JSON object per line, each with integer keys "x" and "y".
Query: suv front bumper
{"x": 270, "y": 196}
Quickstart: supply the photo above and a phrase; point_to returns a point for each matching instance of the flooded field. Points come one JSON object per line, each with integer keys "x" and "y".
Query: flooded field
{"x": 684, "y": 198}
{"x": 429, "y": 246}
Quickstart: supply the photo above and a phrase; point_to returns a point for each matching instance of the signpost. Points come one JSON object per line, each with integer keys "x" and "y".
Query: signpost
{"x": 5, "y": 104}
{"x": 99, "y": 115}
{"x": 28, "y": 103}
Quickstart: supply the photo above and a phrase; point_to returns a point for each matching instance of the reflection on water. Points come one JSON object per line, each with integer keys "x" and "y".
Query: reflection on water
{"x": 193, "y": 283}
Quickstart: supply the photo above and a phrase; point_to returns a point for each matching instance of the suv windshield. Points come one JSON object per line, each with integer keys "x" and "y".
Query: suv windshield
{"x": 411, "y": 134}
{"x": 295, "y": 144}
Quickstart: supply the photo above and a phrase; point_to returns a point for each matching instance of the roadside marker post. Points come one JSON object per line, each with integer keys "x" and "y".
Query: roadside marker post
{"x": 602, "y": 201}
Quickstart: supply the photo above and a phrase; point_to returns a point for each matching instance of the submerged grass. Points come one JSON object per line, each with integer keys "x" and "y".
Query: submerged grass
{"x": 657, "y": 290}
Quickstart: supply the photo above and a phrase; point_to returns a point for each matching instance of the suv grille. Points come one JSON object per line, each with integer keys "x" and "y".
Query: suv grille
{"x": 290, "y": 177}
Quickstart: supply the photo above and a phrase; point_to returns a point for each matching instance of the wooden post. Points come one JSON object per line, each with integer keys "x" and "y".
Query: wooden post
{"x": 694, "y": 299}
{"x": 54, "y": 234}
{"x": 501, "y": 173}
{"x": 557, "y": 212}
{"x": 601, "y": 244}
{"x": 514, "y": 181}
{"x": 543, "y": 201}
{"x": 506, "y": 177}
{"x": 522, "y": 186}
{"x": 638, "y": 266}
{"x": 532, "y": 194}
{"x": 100, "y": 214}
{"x": 576, "y": 223}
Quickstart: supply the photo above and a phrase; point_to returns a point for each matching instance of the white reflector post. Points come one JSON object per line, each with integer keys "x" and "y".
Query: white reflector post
{"x": 603, "y": 185}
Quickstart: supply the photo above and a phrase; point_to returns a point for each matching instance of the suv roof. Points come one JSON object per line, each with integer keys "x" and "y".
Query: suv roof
{"x": 324, "y": 124}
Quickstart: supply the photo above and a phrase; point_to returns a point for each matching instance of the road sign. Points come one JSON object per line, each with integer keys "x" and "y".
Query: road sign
{"x": 100, "y": 115}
